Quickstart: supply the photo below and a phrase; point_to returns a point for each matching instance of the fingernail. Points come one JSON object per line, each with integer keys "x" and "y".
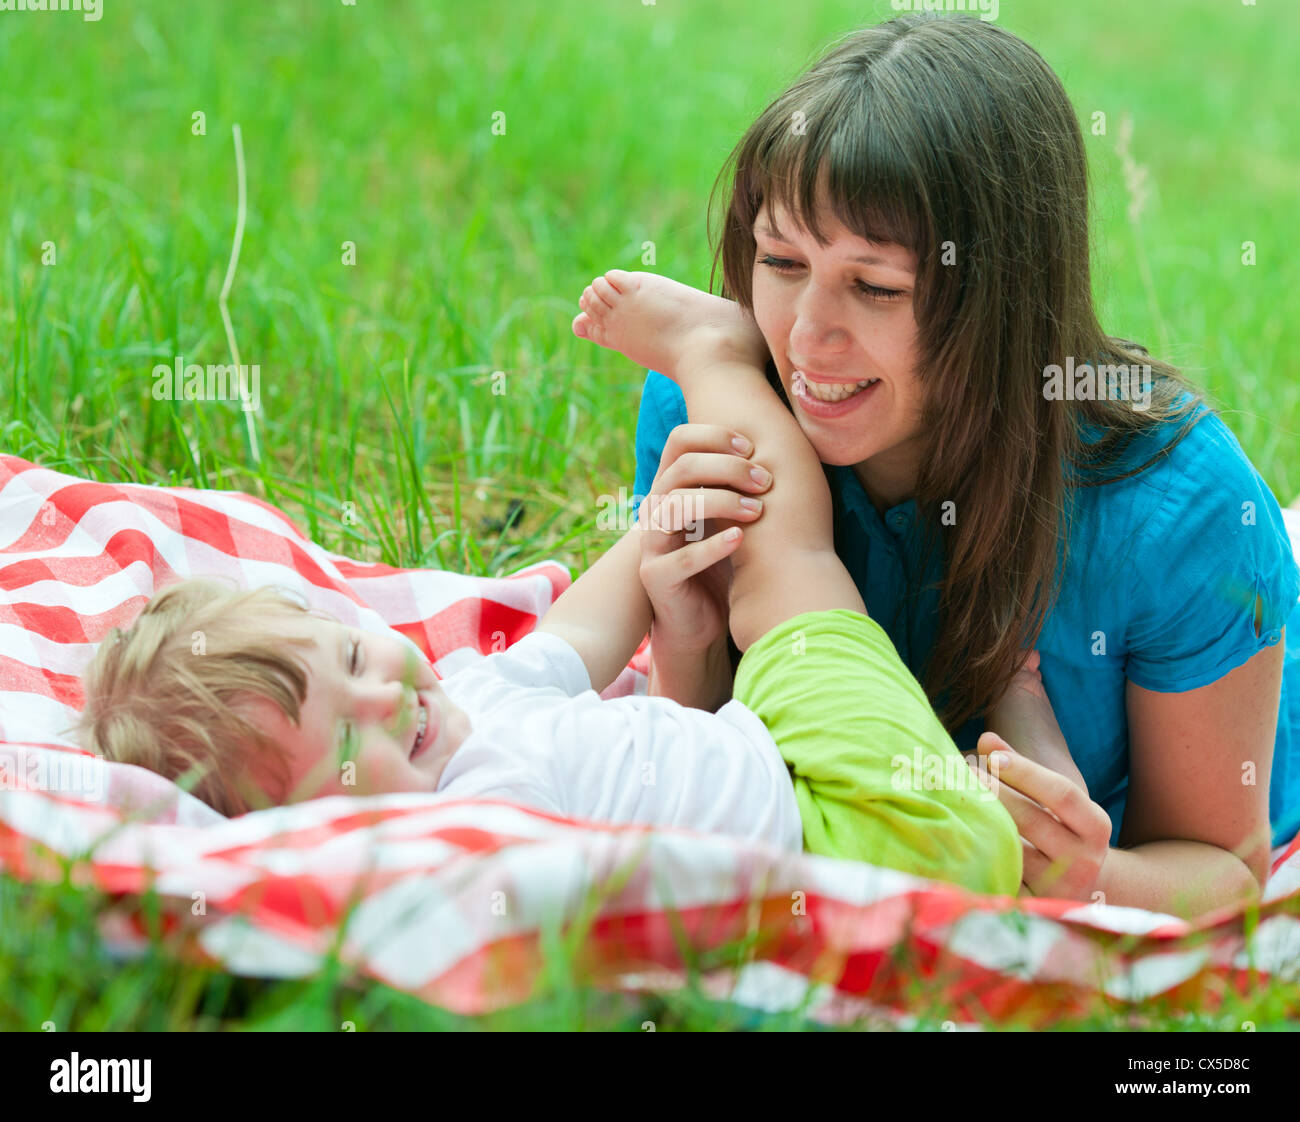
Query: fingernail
{"x": 741, "y": 445}
{"x": 752, "y": 504}
{"x": 759, "y": 476}
{"x": 999, "y": 759}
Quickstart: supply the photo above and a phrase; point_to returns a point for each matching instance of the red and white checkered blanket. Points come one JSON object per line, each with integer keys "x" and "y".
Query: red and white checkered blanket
{"x": 454, "y": 899}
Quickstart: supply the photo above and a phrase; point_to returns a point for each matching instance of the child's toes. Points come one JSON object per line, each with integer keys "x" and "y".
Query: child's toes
{"x": 589, "y": 328}
{"x": 619, "y": 279}
{"x": 606, "y": 291}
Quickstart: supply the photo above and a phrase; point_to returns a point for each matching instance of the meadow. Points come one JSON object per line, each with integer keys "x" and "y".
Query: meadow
{"x": 429, "y": 187}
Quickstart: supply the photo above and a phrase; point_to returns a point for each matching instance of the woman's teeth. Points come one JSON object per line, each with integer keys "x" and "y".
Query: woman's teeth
{"x": 832, "y": 392}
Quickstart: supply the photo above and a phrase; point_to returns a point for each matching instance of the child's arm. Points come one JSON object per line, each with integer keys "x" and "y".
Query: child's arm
{"x": 605, "y": 613}
{"x": 697, "y": 679}
{"x": 786, "y": 563}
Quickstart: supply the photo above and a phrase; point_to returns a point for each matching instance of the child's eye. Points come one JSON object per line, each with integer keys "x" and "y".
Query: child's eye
{"x": 355, "y": 655}
{"x": 784, "y": 265}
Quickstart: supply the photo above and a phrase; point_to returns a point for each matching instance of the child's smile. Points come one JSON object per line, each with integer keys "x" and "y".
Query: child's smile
{"x": 375, "y": 718}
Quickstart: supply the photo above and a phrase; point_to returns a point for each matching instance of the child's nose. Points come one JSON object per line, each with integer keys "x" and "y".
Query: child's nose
{"x": 385, "y": 703}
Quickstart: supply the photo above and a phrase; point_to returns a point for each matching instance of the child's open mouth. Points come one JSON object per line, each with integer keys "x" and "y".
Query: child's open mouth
{"x": 424, "y": 736}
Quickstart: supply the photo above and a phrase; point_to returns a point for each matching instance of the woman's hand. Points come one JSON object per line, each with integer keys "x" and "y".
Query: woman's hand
{"x": 1065, "y": 836}
{"x": 685, "y": 553}
{"x": 1023, "y": 718}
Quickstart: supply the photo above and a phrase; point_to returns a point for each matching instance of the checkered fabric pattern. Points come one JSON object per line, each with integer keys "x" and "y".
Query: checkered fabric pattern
{"x": 454, "y": 899}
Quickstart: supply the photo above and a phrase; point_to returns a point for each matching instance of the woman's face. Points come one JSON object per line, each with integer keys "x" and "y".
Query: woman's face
{"x": 832, "y": 319}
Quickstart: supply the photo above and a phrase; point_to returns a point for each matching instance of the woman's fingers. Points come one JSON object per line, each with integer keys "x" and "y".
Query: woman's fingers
{"x": 713, "y": 469}
{"x": 1069, "y": 833}
{"x": 1079, "y": 814}
{"x": 1032, "y": 821}
{"x": 1041, "y": 873}
{"x": 680, "y": 516}
{"x": 695, "y": 437}
{"x": 697, "y": 455}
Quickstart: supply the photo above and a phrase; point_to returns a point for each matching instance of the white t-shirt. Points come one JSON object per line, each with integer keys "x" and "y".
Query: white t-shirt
{"x": 543, "y": 737}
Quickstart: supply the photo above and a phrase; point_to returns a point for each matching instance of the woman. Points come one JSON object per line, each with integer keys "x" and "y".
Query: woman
{"x": 913, "y": 211}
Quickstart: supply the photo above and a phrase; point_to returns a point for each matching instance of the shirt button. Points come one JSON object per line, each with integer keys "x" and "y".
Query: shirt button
{"x": 898, "y": 520}
{"x": 1272, "y": 636}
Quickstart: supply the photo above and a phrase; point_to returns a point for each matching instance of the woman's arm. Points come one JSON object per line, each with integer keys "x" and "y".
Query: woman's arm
{"x": 1196, "y": 825}
{"x": 1196, "y": 831}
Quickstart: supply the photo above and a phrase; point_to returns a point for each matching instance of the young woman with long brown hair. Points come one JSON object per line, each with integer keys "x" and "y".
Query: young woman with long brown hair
{"x": 907, "y": 227}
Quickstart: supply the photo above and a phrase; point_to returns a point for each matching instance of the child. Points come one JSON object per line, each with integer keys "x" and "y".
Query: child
{"x": 816, "y": 749}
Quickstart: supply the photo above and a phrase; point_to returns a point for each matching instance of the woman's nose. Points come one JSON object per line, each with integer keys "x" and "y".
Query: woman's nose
{"x": 817, "y": 325}
{"x": 814, "y": 336}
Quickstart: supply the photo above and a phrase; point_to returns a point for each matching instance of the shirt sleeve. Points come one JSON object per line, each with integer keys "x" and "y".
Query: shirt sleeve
{"x": 538, "y": 661}
{"x": 663, "y": 408}
{"x": 1213, "y": 549}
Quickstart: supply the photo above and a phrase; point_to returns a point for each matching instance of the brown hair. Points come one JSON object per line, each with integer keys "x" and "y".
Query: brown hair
{"x": 932, "y": 129}
{"x": 171, "y": 692}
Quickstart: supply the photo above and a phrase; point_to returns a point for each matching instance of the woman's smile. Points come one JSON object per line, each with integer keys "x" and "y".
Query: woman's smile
{"x": 830, "y": 401}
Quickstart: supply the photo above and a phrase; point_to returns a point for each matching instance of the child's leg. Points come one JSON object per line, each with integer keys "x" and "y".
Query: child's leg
{"x": 786, "y": 562}
{"x": 876, "y": 776}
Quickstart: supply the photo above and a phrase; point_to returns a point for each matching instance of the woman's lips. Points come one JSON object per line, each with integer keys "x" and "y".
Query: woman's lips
{"x": 827, "y": 410}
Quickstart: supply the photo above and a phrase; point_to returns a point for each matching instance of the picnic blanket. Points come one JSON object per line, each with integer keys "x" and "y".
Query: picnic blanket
{"x": 457, "y": 900}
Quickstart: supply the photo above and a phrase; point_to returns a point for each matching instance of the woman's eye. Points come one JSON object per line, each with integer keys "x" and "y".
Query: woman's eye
{"x": 356, "y": 652}
{"x": 879, "y": 293}
{"x": 784, "y": 265}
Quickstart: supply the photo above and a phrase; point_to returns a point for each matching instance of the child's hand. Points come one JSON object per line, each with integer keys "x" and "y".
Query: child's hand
{"x": 685, "y": 551}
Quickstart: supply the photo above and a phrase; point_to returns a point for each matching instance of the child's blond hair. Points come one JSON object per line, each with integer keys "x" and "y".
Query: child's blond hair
{"x": 172, "y": 692}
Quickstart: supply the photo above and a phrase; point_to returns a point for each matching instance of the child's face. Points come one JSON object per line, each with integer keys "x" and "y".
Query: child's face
{"x": 365, "y": 695}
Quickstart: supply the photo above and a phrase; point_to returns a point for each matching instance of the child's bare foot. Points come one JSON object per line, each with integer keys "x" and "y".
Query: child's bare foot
{"x": 658, "y": 323}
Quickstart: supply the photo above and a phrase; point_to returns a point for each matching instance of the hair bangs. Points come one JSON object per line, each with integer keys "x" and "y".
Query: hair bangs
{"x": 840, "y": 157}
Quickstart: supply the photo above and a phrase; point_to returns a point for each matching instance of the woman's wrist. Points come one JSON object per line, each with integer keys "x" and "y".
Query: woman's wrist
{"x": 1182, "y": 878}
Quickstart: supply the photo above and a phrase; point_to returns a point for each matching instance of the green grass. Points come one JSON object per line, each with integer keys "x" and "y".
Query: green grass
{"x": 59, "y": 977}
{"x": 379, "y": 429}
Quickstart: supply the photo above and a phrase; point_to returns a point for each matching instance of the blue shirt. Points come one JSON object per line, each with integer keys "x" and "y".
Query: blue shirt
{"x": 1159, "y": 588}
